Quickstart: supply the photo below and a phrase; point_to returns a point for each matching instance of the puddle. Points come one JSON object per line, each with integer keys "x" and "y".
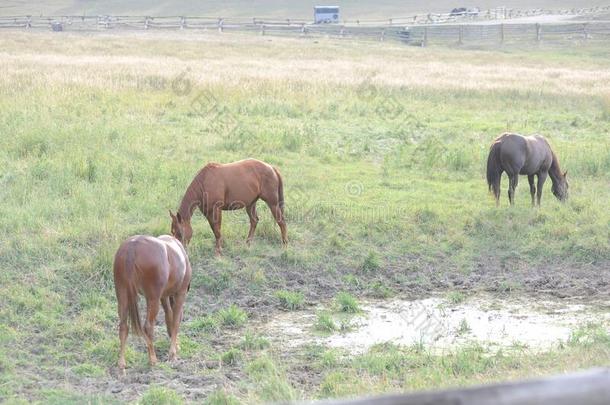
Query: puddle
{"x": 438, "y": 324}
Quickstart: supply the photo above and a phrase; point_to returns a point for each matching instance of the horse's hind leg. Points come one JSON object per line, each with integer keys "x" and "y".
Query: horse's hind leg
{"x": 513, "y": 181}
{"x": 167, "y": 309}
{"x": 152, "y": 309}
{"x": 530, "y": 179}
{"x": 123, "y": 325}
{"x": 177, "y": 308}
{"x": 496, "y": 189}
{"x": 251, "y": 210}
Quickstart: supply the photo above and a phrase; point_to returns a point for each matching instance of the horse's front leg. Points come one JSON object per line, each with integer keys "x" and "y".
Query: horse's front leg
{"x": 215, "y": 218}
{"x": 530, "y": 179}
{"x": 541, "y": 180}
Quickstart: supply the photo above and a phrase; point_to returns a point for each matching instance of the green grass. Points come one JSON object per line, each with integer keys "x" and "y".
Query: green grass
{"x": 232, "y": 317}
{"x": 270, "y": 381}
{"x": 160, "y": 396}
{"x": 376, "y": 205}
{"x": 325, "y": 322}
{"x": 290, "y": 300}
{"x": 231, "y": 357}
{"x": 371, "y": 263}
{"x": 455, "y": 297}
{"x": 391, "y": 368}
{"x": 346, "y": 302}
{"x": 220, "y": 397}
{"x": 252, "y": 341}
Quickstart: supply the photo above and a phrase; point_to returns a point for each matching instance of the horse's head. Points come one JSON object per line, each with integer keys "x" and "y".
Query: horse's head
{"x": 181, "y": 228}
{"x": 560, "y": 187}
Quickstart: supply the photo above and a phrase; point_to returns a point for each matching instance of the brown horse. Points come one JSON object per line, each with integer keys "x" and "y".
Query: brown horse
{"x": 159, "y": 269}
{"x": 222, "y": 187}
{"x": 528, "y": 155}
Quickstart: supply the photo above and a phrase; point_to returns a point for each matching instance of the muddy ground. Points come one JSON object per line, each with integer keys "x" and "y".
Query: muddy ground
{"x": 546, "y": 289}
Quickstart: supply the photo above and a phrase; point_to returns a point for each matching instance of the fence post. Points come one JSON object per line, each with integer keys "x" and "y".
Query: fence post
{"x": 220, "y": 22}
{"x": 342, "y": 32}
{"x": 146, "y": 22}
{"x": 382, "y": 34}
{"x": 182, "y": 23}
{"x": 461, "y": 35}
{"x": 262, "y": 29}
{"x": 502, "y": 33}
{"x": 28, "y": 23}
{"x": 303, "y": 30}
{"x": 425, "y": 41}
{"x": 538, "y": 32}
{"x": 585, "y": 32}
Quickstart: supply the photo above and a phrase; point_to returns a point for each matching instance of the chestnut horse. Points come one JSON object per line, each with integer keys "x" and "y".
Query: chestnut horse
{"x": 159, "y": 269}
{"x": 232, "y": 186}
{"x": 528, "y": 155}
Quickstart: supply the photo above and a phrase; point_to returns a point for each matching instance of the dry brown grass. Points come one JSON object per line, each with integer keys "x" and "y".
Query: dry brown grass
{"x": 113, "y": 61}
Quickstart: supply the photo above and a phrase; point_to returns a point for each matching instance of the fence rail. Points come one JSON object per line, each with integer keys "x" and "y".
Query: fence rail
{"x": 584, "y": 388}
{"x": 491, "y": 26}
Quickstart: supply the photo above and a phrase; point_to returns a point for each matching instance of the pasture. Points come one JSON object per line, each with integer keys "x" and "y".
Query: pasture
{"x": 382, "y": 149}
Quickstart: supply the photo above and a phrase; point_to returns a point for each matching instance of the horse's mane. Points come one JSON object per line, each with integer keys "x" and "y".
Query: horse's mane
{"x": 555, "y": 169}
{"x": 193, "y": 197}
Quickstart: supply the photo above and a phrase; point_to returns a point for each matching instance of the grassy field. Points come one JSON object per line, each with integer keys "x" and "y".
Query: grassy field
{"x": 270, "y": 8}
{"x": 382, "y": 148}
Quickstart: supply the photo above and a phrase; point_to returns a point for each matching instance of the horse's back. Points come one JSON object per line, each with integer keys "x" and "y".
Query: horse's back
{"x": 241, "y": 167}
{"x": 524, "y": 154}
{"x": 180, "y": 269}
{"x": 238, "y": 183}
{"x": 143, "y": 258}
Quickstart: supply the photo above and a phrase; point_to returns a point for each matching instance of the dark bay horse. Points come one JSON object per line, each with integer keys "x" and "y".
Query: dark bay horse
{"x": 222, "y": 187}
{"x": 528, "y": 155}
{"x": 159, "y": 269}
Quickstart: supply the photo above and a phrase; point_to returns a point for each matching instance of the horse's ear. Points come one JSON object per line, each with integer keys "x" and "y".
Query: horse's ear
{"x": 179, "y": 217}
{"x": 565, "y": 173}
{"x": 171, "y": 215}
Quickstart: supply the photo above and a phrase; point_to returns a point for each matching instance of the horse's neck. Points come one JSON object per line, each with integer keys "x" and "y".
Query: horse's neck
{"x": 191, "y": 200}
{"x": 555, "y": 170}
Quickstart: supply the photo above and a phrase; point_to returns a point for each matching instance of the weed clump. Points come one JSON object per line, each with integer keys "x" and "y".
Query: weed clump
{"x": 347, "y": 303}
{"x": 371, "y": 263}
{"x": 290, "y": 300}
{"x": 325, "y": 323}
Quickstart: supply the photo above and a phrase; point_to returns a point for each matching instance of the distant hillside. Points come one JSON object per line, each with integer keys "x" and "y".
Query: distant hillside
{"x": 272, "y": 8}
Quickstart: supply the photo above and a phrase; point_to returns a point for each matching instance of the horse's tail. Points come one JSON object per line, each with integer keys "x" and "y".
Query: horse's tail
{"x": 280, "y": 189}
{"x": 494, "y": 170}
{"x": 132, "y": 291}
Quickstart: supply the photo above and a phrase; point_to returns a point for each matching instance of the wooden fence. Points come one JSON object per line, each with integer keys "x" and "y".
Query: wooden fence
{"x": 492, "y": 26}
{"x": 585, "y": 388}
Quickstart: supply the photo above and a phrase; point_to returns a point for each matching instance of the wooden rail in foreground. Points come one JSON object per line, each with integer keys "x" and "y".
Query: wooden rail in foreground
{"x": 584, "y": 388}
